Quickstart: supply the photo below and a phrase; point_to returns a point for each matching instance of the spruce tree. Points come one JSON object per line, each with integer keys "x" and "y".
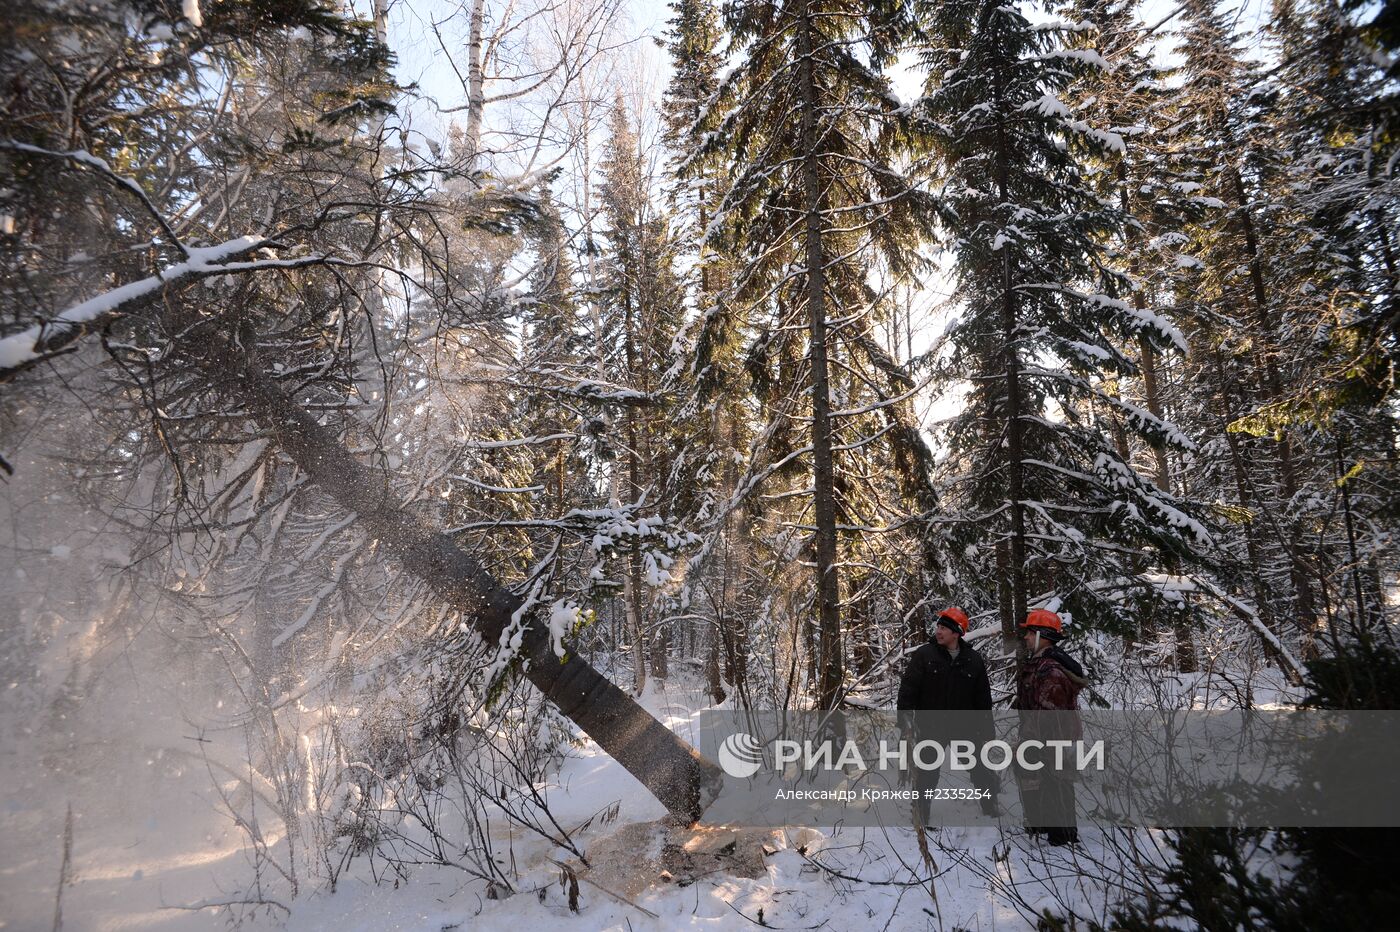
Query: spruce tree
{"x": 1045, "y": 319}
{"x": 816, "y": 200}
{"x": 640, "y": 296}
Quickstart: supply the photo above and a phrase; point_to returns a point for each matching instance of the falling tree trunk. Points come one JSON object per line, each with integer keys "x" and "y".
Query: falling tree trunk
{"x": 682, "y": 780}
{"x": 830, "y": 669}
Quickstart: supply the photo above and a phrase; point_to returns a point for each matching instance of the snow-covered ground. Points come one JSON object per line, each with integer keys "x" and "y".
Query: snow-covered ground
{"x": 152, "y": 841}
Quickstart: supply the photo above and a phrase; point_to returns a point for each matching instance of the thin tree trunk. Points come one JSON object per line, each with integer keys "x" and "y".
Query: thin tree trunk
{"x": 682, "y": 780}
{"x": 476, "y": 81}
{"x": 830, "y": 671}
{"x": 1152, "y": 394}
{"x": 381, "y": 21}
{"x": 1016, "y": 556}
{"x": 632, "y": 582}
{"x": 1147, "y": 362}
{"x": 1186, "y": 660}
{"x": 1005, "y": 609}
{"x": 712, "y": 678}
{"x": 63, "y": 870}
{"x": 1273, "y": 388}
{"x": 1362, "y": 616}
{"x": 734, "y": 636}
{"x": 1242, "y": 493}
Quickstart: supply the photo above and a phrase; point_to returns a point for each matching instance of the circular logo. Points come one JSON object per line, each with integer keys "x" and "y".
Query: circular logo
{"x": 741, "y": 755}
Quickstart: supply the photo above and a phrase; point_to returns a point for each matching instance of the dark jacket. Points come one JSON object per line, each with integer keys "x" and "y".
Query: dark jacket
{"x": 934, "y": 681}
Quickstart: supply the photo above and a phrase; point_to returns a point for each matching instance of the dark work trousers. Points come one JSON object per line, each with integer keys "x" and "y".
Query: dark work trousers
{"x": 1048, "y": 800}
{"x": 925, "y": 780}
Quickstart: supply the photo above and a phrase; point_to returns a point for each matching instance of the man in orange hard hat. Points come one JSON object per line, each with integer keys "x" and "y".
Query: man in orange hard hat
{"x": 947, "y": 674}
{"x": 1049, "y": 682}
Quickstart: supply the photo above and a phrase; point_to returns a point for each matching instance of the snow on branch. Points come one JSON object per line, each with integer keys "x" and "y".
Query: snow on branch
{"x": 1136, "y": 320}
{"x": 518, "y": 442}
{"x": 88, "y": 160}
{"x": 1165, "y": 583}
{"x": 325, "y": 592}
{"x": 1140, "y": 419}
{"x": 45, "y": 339}
{"x": 882, "y": 403}
{"x": 1063, "y": 25}
{"x": 570, "y": 386}
{"x": 1088, "y": 56}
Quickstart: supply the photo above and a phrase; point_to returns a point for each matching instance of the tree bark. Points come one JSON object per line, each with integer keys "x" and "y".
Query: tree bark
{"x": 1273, "y": 391}
{"x": 1186, "y": 660}
{"x": 476, "y": 82}
{"x": 632, "y": 583}
{"x": 682, "y": 780}
{"x": 1016, "y": 556}
{"x": 830, "y": 669}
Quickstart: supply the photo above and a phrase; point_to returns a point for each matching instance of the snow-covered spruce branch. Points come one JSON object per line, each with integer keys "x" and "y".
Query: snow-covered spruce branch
{"x": 54, "y": 336}
{"x": 1167, "y": 584}
{"x": 1143, "y": 420}
{"x": 518, "y": 442}
{"x": 583, "y": 389}
{"x": 1139, "y": 321}
{"x": 571, "y": 386}
{"x": 88, "y": 160}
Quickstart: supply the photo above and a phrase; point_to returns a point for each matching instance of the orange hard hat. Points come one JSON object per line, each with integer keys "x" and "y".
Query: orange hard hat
{"x": 956, "y": 614}
{"x": 1043, "y": 618}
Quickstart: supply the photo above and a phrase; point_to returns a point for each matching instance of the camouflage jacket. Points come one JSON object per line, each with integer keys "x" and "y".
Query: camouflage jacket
{"x": 1045, "y": 684}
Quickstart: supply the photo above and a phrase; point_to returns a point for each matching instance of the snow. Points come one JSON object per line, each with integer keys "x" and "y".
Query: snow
{"x": 513, "y": 634}
{"x": 1063, "y": 25}
{"x": 1089, "y": 352}
{"x": 563, "y": 615}
{"x": 1088, "y": 56}
{"x": 154, "y": 846}
{"x": 184, "y": 857}
{"x": 190, "y": 10}
{"x": 1108, "y": 139}
{"x": 1047, "y": 105}
{"x": 19, "y": 348}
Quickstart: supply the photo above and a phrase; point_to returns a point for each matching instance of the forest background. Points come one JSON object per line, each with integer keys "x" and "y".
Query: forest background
{"x": 369, "y": 374}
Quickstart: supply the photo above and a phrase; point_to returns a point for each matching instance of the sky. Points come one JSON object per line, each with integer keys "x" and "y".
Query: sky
{"x": 422, "y": 60}
{"x": 643, "y": 69}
